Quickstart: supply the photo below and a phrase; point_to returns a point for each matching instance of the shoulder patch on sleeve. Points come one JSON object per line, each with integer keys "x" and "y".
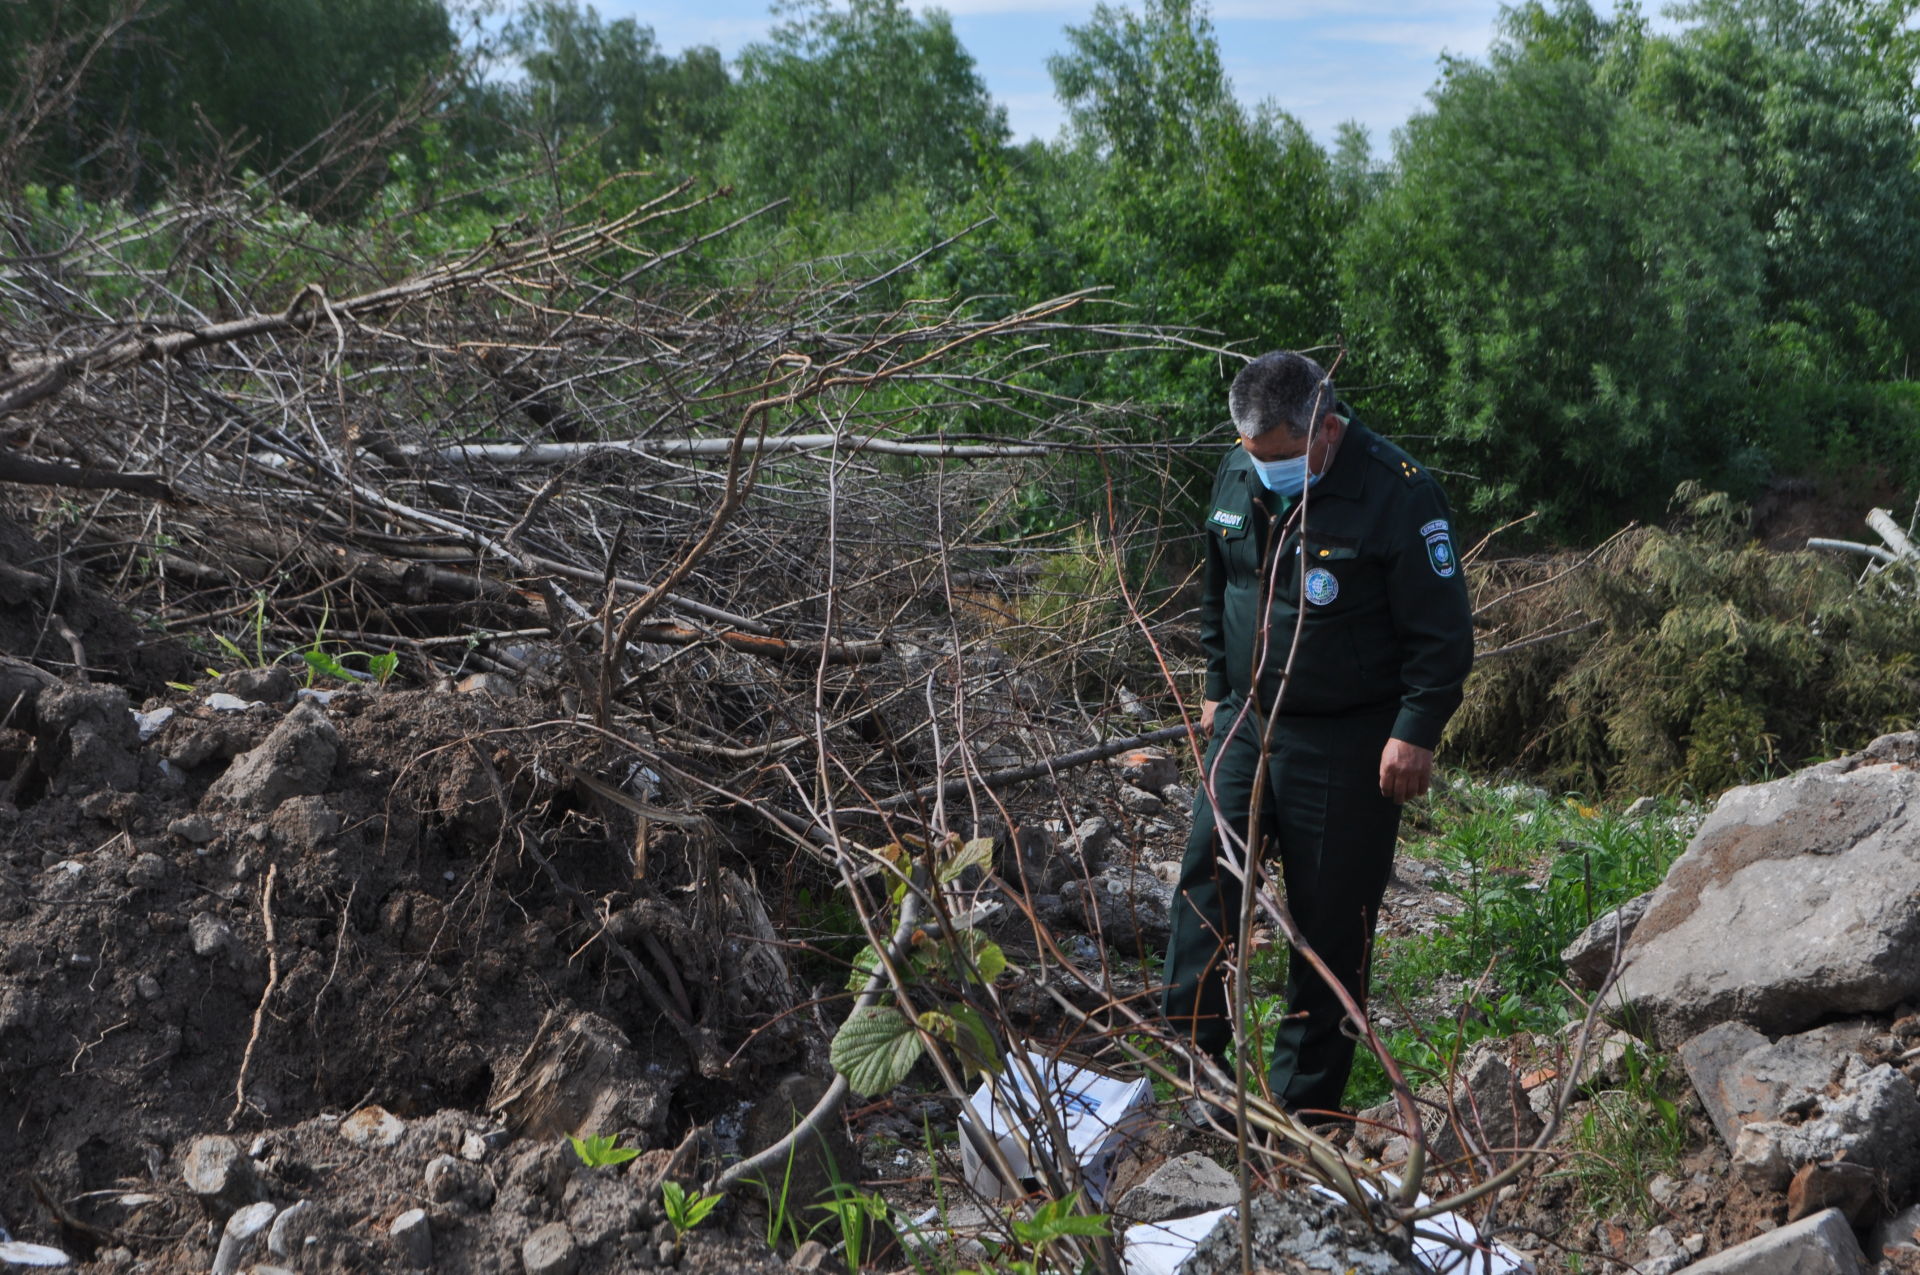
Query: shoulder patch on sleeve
{"x": 1440, "y": 555}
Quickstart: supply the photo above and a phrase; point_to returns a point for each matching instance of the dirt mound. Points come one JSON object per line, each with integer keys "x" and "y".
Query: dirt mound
{"x": 258, "y": 923}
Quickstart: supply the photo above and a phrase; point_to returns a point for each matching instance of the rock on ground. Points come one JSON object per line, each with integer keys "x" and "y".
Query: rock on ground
{"x": 1590, "y": 955}
{"x": 241, "y": 1236}
{"x": 1820, "y": 1245}
{"x": 1873, "y": 1120}
{"x": 1488, "y": 1115}
{"x": 1183, "y": 1186}
{"x": 412, "y": 1236}
{"x": 550, "y": 1251}
{"x": 1794, "y": 902}
{"x": 1148, "y": 768}
{"x": 90, "y": 734}
{"x": 1805, "y": 1100}
{"x": 1742, "y": 1077}
{"x": 1300, "y": 1233}
{"x": 1130, "y": 909}
{"x": 219, "y": 1172}
{"x": 296, "y": 759}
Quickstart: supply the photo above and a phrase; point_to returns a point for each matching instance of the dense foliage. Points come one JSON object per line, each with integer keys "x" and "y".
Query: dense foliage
{"x": 1602, "y": 263}
{"x": 1710, "y": 661}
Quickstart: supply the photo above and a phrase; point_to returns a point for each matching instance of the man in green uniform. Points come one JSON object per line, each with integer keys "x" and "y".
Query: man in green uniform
{"x": 1313, "y": 511}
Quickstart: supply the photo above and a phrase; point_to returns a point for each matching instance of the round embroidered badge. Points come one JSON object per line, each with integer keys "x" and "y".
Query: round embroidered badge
{"x": 1322, "y": 588}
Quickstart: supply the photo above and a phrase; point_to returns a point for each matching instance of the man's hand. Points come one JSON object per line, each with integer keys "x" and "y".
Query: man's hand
{"x": 1207, "y": 709}
{"x": 1405, "y": 770}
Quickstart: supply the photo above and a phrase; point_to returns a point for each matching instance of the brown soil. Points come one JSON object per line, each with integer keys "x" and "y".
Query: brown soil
{"x": 416, "y": 949}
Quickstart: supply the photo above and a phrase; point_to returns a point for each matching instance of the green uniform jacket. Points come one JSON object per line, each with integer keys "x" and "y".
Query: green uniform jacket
{"x": 1388, "y": 623}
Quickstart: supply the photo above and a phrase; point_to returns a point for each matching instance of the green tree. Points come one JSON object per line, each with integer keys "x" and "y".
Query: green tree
{"x": 1146, "y": 88}
{"x": 1817, "y": 100}
{"x": 265, "y": 77}
{"x": 1193, "y": 209}
{"x": 1561, "y": 288}
{"x": 611, "y": 79}
{"x": 842, "y": 104}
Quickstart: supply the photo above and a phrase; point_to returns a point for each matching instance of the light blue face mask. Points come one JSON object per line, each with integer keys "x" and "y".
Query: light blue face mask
{"x": 1286, "y": 477}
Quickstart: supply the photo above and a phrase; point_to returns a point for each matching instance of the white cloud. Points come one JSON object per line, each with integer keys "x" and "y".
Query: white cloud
{"x": 1450, "y": 34}
{"x": 975, "y": 8}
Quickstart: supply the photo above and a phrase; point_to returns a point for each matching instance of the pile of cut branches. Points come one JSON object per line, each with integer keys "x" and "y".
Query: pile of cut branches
{"x": 596, "y": 455}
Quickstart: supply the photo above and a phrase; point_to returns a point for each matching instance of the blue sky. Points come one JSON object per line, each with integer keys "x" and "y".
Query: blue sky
{"x": 1365, "y": 60}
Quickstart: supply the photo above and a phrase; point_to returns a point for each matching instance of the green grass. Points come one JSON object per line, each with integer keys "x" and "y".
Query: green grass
{"x": 1526, "y": 873}
{"x": 1626, "y": 1137}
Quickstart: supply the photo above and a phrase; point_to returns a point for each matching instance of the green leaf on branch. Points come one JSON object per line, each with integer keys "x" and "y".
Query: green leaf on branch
{"x": 987, "y": 956}
{"x": 1057, "y": 1218}
{"x": 977, "y": 853}
{"x": 875, "y": 1049}
{"x": 863, "y": 967}
{"x": 972, "y": 1041}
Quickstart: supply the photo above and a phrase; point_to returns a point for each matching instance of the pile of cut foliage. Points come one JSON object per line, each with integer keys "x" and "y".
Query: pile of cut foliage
{"x": 1703, "y": 659}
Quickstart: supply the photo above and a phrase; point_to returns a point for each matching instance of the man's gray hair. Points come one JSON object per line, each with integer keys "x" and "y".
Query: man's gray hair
{"x": 1280, "y": 388}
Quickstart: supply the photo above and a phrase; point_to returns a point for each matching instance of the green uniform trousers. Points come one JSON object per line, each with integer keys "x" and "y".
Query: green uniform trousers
{"x": 1324, "y": 818}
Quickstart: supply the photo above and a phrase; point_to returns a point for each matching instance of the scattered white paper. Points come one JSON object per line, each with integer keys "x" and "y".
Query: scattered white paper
{"x": 1448, "y": 1244}
{"x": 1162, "y": 1248}
{"x": 221, "y": 702}
{"x": 20, "y": 1253}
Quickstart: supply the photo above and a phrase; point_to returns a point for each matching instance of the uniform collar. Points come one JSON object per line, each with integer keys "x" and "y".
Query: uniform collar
{"x": 1349, "y": 470}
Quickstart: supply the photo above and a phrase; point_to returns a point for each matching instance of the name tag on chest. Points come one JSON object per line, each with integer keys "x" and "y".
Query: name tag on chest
{"x": 1228, "y": 519}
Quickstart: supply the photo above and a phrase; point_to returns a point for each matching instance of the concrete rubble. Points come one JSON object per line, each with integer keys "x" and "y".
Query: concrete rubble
{"x": 1185, "y": 1185}
{"x": 1819, "y": 1245}
{"x": 1792, "y": 904}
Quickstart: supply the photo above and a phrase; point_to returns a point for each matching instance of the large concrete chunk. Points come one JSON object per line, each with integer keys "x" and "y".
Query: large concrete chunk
{"x": 1796, "y": 901}
{"x": 1821, "y": 1245}
{"x": 1872, "y": 1121}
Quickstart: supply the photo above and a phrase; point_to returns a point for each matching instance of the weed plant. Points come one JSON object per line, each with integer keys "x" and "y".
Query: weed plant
{"x": 1626, "y": 1137}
